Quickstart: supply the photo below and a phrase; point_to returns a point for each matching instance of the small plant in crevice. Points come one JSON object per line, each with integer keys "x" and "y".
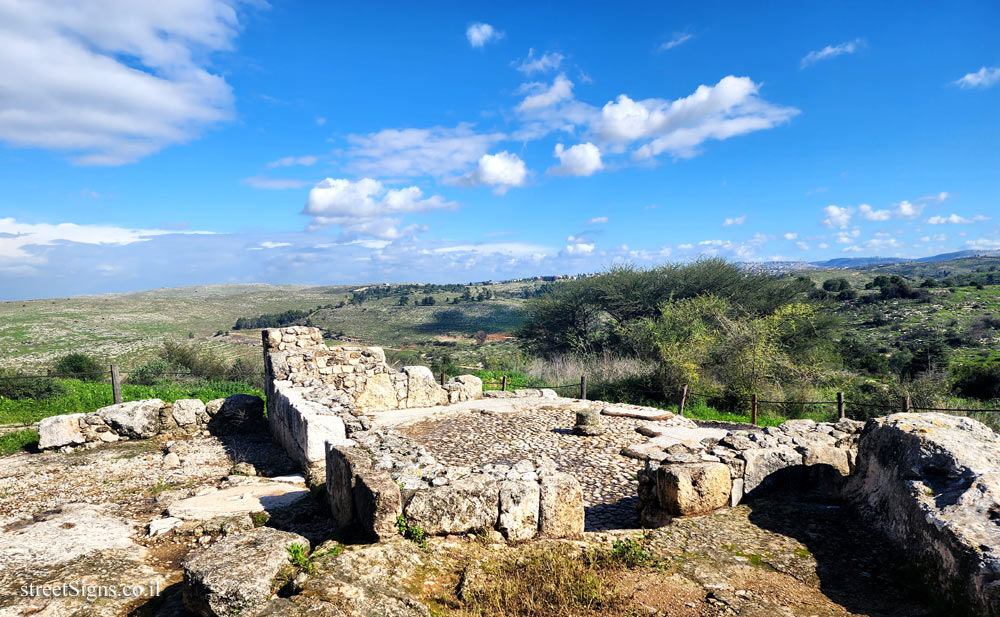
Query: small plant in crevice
{"x": 298, "y": 556}
{"x": 411, "y": 532}
{"x": 630, "y": 553}
{"x": 260, "y": 518}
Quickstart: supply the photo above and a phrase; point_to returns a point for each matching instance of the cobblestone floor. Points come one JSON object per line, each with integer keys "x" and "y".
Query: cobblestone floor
{"x": 608, "y": 478}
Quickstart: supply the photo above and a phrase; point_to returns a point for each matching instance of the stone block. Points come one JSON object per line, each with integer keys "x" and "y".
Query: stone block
{"x": 58, "y": 431}
{"x": 519, "y": 504}
{"x": 693, "y": 489}
{"x": 135, "y": 419}
{"x": 464, "y": 505}
{"x": 560, "y": 513}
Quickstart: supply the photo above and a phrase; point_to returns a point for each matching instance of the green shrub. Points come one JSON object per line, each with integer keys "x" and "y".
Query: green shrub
{"x": 978, "y": 380}
{"x": 15, "y": 385}
{"x": 150, "y": 373}
{"x": 80, "y": 366}
{"x": 411, "y": 532}
{"x": 18, "y": 441}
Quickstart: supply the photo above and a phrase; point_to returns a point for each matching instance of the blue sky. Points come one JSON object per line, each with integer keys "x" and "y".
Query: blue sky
{"x": 208, "y": 141}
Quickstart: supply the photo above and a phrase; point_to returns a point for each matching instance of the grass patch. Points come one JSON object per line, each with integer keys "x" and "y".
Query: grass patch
{"x": 18, "y": 441}
{"x": 84, "y": 397}
{"x": 546, "y": 582}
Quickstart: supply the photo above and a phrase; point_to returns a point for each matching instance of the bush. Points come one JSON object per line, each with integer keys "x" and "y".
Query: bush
{"x": 980, "y": 380}
{"x": 80, "y": 366}
{"x": 18, "y": 441}
{"x": 202, "y": 362}
{"x": 150, "y": 373}
{"x": 15, "y": 385}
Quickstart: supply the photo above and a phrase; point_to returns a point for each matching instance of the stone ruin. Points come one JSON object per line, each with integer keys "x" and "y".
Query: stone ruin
{"x": 930, "y": 483}
{"x": 319, "y": 402}
{"x": 148, "y": 418}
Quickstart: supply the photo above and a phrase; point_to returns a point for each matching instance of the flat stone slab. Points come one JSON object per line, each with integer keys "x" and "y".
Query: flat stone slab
{"x": 642, "y": 413}
{"x": 267, "y": 496}
{"x": 663, "y": 436}
{"x": 70, "y": 533}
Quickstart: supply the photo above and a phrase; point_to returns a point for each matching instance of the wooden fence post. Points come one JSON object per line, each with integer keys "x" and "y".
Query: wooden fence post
{"x": 753, "y": 409}
{"x": 116, "y": 384}
{"x": 840, "y": 406}
{"x": 503, "y": 383}
{"x": 442, "y": 378}
{"x": 583, "y": 387}
{"x": 684, "y": 396}
{"x": 906, "y": 404}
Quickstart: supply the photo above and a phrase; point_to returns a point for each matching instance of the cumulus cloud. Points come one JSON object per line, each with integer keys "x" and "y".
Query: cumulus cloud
{"x": 560, "y": 90}
{"x": 110, "y": 85}
{"x": 501, "y": 170}
{"x": 549, "y": 61}
{"x": 479, "y": 34}
{"x": 836, "y": 216}
{"x": 790, "y": 235}
{"x": 870, "y": 214}
{"x": 579, "y": 248}
{"x": 679, "y": 39}
{"x": 738, "y": 220}
{"x": 956, "y": 219}
{"x": 729, "y": 108}
{"x": 983, "y": 78}
{"x": 831, "y": 51}
{"x": 437, "y": 151}
{"x": 597, "y": 220}
{"x": 366, "y": 207}
{"x": 579, "y": 160}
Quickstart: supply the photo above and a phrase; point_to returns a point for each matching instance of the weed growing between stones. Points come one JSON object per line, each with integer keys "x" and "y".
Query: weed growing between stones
{"x": 630, "y": 553}
{"x": 260, "y": 518}
{"x": 298, "y": 556}
{"x": 411, "y": 532}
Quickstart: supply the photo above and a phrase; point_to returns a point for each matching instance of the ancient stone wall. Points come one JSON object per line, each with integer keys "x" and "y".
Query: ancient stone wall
{"x": 719, "y": 470}
{"x": 147, "y": 418}
{"x": 318, "y": 394}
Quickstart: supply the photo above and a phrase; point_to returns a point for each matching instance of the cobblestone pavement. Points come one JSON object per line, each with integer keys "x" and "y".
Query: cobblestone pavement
{"x": 608, "y": 478}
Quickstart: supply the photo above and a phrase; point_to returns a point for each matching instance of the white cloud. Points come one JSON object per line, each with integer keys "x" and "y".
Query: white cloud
{"x": 802, "y": 245}
{"x": 275, "y": 184}
{"x": 679, "y": 39}
{"x": 289, "y": 161}
{"x": 579, "y": 160}
{"x": 501, "y": 170}
{"x": 790, "y": 235}
{"x": 956, "y": 219}
{"x": 366, "y": 207}
{"x": 560, "y": 90}
{"x": 14, "y": 236}
{"x": 983, "y": 78}
{"x": 738, "y": 220}
{"x": 274, "y": 245}
{"x": 112, "y": 84}
{"x": 479, "y": 34}
{"x": 437, "y": 151}
{"x": 579, "y": 249}
{"x": 729, "y": 108}
{"x": 597, "y": 220}
{"x": 870, "y": 214}
{"x": 907, "y": 210}
{"x": 837, "y": 216}
{"x": 549, "y": 61}
{"x": 516, "y": 249}
{"x": 320, "y": 121}
{"x": 831, "y": 51}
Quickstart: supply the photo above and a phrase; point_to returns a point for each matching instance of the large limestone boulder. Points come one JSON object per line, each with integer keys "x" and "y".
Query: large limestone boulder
{"x": 519, "y": 502}
{"x": 187, "y": 411}
{"x": 239, "y": 413}
{"x": 135, "y": 419}
{"x": 235, "y": 575}
{"x": 693, "y": 489}
{"x": 772, "y": 466}
{"x": 421, "y": 388}
{"x": 379, "y": 393}
{"x": 560, "y": 512}
{"x": 931, "y": 482}
{"x": 58, "y": 431}
{"x": 465, "y": 505}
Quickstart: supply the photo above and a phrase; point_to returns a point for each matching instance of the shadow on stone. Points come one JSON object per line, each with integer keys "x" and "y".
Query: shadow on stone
{"x": 856, "y": 566}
